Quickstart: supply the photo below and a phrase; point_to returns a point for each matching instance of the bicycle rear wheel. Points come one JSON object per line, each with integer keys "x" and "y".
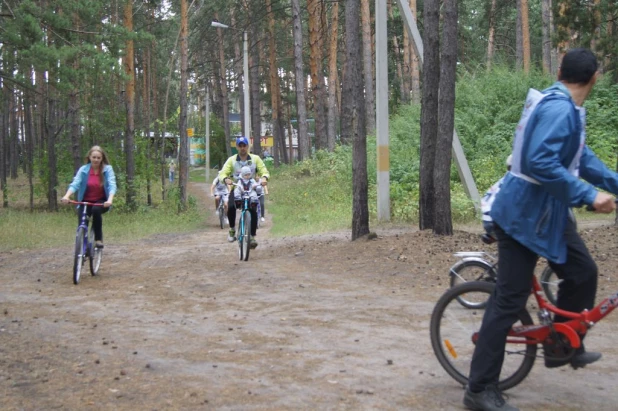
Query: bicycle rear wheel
{"x": 472, "y": 270}
{"x": 454, "y": 326}
{"x": 550, "y": 283}
{"x": 95, "y": 254}
{"x": 79, "y": 256}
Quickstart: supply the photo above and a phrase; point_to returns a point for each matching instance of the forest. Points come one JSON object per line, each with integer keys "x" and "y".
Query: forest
{"x": 149, "y": 79}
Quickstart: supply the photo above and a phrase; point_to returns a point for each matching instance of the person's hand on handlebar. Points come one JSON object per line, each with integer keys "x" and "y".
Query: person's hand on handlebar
{"x": 604, "y": 203}
{"x": 65, "y": 200}
{"x": 263, "y": 182}
{"x": 228, "y": 181}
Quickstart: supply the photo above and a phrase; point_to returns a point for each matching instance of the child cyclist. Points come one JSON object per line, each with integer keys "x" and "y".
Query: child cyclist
{"x": 248, "y": 184}
{"x": 220, "y": 192}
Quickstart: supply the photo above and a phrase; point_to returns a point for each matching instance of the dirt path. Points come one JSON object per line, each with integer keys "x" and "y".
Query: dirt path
{"x": 318, "y": 322}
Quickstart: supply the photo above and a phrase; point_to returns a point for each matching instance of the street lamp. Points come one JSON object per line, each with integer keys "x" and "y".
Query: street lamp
{"x": 245, "y": 74}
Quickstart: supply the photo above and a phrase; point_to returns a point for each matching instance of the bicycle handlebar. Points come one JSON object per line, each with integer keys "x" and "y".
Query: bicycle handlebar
{"x": 85, "y": 203}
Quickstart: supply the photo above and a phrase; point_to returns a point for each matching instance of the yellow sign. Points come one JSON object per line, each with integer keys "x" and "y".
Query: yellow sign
{"x": 267, "y": 141}
{"x": 189, "y": 132}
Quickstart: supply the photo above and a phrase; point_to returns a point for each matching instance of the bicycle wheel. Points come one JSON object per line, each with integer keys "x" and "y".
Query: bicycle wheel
{"x": 472, "y": 270}
{"x": 78, "y": 261}
{"x": 550, "y": 283}
{"x": 240, "y": 237}
{"x": 221, "y": 214}
{"x": 246, "y": 235}
{"x": 95, "y": 254}
{"x": 453, "y": 328}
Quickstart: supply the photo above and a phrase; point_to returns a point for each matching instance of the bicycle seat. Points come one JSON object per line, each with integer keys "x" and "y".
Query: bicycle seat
{"x": 488, "y": 238}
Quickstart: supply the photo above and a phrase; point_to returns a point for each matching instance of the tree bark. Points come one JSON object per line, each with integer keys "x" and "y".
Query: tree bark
{"x": 183, "y": 163}
{"x": 397, "y": 57}
{"x": 429, "y": 113}
{"x": 415, "y": 72}
{"x": 525, "y": 35}
{"x": 223, "y": 92}
{"x": 317, "y": 78}
{"x": 491, "y": 42}
{"x": 546, "y": 35}
{"x": 353, "y": 119}
{"x": 301, "y": 107}
{"x": 333, "y": 78}
{"x": 254, "y": 88}
{"x": 443, "y": 224}
{"x": 129, "y": 143}
{"x": 370, "y": 110}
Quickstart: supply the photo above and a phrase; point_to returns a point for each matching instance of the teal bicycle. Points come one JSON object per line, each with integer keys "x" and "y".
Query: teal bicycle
{"x": 244, "y": 225}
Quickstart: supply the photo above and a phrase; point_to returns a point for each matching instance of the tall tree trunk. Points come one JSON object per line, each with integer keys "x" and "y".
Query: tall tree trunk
{"x": 546, "y": 34}
{"x": 304, "y": 146}
{"x": 429, "y": 113}
{"x": 333, "y": 78}
{"x": 4, "y": 127}
{"x": 443, "y": 224}
{"x": 317, "y": 77}
{"x": 240, "y": 80}
{"x": 397, "y": 57}
{"x": 183, "y": 174}
{"x": 29, "y": 136}
{"x": 415, "y": 72}
{"x": 14, "y": 134}
{"x": 51, "y": 131}
{"x": 353, "y": 119}
{"x": 370, "y": 105}
{"x": 223, "y": 92}
{"x": 491, "y": 41}
{"x": 146, "y": 122}
{"x": 74, "y": 129}
{"x": 254, "y": 89}
{"x": 525, "y": 36}
{"x": 275, "y": 90}
{"x": 129, "y": 143}
{"x": 519, "y": 50}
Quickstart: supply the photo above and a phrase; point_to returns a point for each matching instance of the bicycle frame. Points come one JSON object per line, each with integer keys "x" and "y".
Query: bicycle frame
{"x": 579, "y": 323}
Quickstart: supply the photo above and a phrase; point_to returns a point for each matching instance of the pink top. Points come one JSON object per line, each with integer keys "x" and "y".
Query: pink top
{"x": 94, "y": 188}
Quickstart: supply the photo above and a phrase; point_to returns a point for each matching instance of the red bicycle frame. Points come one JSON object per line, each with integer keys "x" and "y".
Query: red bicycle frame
{"x": 578, "y": 324}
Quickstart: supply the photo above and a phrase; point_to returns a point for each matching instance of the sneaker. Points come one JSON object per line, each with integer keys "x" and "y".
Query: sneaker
{"x": 252, "y": 243}
{"x": 262, "y": 219}
{"x": 579, "y": 360}
{"x": 232, "y": 235}
{"x": 488, "y": 400}
{"x": 98, "y": 244}
{"x": 217, "y": 213}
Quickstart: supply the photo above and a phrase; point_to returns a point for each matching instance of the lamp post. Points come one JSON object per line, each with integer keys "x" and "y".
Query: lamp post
{"x": 245, "y": 74}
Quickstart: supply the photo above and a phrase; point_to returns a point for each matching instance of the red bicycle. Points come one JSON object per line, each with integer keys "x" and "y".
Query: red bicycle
{"x": 454, "y": 331}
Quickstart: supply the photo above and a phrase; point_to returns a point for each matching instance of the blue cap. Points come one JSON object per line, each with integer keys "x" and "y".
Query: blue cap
{"x": 242, "y": 140}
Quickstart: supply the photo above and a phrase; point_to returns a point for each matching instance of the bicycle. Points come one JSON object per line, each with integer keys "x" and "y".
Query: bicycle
{"x": 454, "y": 332}
{"x": 244, "y": 224}
{"x": 85, "y": 245}
{"x": 221, "y": 210}
{"x": 482, "y": 266}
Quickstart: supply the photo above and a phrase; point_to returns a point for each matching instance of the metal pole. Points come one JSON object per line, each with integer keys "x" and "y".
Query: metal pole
{"x": 246, "y": 83}
{"x": 382, "y": 137}
{"x": 207, "y": 136}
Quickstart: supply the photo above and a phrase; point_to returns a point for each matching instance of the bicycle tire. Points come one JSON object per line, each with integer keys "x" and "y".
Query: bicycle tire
{"x": 78, "y": 259}
{"x": 95, "y": 254}
{"x": 472, "y": 270}
{"x": 550, "y": 283}
{"x": 221, "y": 214}
{"x": 454, "y": 347}
{"x": 247, "y": 234}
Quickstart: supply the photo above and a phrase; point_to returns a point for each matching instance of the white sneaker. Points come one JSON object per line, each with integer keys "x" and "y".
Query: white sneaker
{"x": 262, "y": 219}
{"x": 217, "y": 213}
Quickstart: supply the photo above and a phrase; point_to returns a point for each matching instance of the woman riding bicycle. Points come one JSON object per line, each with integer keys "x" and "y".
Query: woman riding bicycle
{"x": 94, "y": 182}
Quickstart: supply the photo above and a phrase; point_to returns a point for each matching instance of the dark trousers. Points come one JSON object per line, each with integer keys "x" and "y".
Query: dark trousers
{"x": 95, "y": 212}
{"x": 231, "y": 214}
{"x": 515, "y": 270}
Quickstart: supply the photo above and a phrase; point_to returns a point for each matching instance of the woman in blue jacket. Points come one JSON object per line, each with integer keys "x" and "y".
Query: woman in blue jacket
{"x": 94, "y": 182}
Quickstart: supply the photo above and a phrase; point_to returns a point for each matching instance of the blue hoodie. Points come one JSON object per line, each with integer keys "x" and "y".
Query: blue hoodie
{"x": 80, "y": 181}
{"x": 535, "y": 212}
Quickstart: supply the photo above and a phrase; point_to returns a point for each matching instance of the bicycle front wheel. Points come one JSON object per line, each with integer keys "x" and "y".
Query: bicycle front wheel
{"x": 550, "y": 283}
{"x": 221, "y": 215}
{"x": 453, "y": 329}
{"x": 78, "y": 260}
{"x": 472, "y": 270}
{"x": 246, "y": 235}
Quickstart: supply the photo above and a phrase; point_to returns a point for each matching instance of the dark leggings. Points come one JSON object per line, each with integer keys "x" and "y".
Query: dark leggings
{"x": 231, "y": 214}
{"x": 96, "y": 213}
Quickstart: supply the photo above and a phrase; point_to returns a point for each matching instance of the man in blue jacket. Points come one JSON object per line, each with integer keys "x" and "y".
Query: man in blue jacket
{"x": 531, "y": 214}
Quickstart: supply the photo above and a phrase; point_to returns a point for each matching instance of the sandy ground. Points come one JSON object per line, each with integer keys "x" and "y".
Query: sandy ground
{"x": 315, "y": 322}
